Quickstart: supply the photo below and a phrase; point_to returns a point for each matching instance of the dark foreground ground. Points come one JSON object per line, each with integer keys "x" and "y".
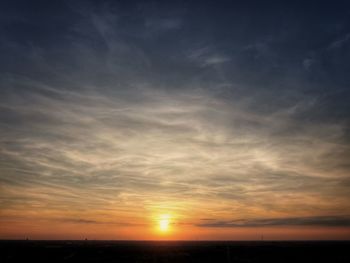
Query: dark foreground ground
{"x": 164, "y": 251}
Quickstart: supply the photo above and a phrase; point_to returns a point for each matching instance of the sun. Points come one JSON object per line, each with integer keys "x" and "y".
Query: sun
{"x": 164, "y": 223}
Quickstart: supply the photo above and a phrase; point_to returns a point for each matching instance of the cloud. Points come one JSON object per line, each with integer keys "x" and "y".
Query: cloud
{"x": 165, "y": 24}
{"x": 207, "y": 56}
{"x": 307, "y": 63}
{"x": 340, "y": 42}
{"x": 94, "y": 222}
{"x": 159, "y": 146}
{"x": 333, "y": 221}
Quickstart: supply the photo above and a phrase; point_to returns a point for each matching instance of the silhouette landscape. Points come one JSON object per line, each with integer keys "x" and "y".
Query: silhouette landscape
{"x": 174, "y": 251}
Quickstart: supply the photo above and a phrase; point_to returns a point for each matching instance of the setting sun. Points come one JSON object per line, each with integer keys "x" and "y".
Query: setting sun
{"x": 164, "y": 222}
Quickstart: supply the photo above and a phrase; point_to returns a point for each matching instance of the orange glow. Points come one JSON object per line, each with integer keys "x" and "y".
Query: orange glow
{"x": 168, "y": 220}
{"x": 49, "y": 230}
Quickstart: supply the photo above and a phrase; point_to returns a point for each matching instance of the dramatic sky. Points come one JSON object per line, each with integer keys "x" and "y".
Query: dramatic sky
{"x": 175, "y": 119}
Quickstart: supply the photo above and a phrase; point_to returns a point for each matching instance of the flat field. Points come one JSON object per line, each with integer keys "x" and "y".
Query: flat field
{"x": 174, "y": 251}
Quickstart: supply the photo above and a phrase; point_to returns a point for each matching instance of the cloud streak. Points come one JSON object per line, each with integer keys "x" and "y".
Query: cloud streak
{"x": 334, "y": 221}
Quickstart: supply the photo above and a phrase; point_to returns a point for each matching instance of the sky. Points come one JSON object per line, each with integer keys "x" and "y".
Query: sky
{"x": 195, "y": 120}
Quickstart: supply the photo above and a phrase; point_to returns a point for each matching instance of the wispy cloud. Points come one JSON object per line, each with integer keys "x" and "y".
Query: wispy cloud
{"x": 207, "y": 56}
{"x": 334, "y": 221}
{"x": 340, "y": 42}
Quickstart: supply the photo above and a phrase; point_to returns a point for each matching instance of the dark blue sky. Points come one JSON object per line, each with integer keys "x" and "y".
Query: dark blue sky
{"x": 272, "y": 46}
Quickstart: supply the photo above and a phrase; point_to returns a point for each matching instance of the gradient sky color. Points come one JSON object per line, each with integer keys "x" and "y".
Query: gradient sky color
{"x": 230, "y": 119}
